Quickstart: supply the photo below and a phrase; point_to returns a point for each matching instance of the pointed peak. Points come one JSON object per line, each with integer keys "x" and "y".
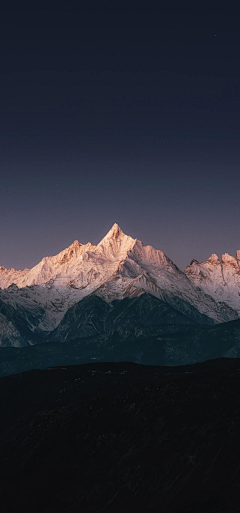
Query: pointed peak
{"x": 115, "y": 243}
{"x": 75, "y": 244}
{"x": 115, "y": 231}
{"x": 226, "y": 259}
{"x": 213, "y": 259}
{"x": 194, "y": 261}
{"x": 238, "y": 255}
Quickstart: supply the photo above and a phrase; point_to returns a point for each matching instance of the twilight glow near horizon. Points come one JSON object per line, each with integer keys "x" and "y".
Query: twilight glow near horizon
{"x": 122, "y": 116}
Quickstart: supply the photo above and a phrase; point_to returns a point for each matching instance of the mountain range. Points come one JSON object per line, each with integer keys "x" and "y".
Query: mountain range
{"x": 88, "y": 290}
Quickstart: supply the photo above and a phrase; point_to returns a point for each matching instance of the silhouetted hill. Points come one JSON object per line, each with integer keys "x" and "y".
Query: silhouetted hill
{"x": 121, "y": 437}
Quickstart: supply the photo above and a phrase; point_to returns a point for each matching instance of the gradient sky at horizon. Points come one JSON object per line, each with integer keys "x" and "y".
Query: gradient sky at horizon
{"x": 119, "y": 115}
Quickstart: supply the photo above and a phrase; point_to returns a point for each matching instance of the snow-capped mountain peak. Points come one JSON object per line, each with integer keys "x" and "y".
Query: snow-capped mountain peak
{"x": 220, "y": 279}
{"x": 117, "y": 268}
{"x": 115, "y": 244}
{"x": 114, "y": 232}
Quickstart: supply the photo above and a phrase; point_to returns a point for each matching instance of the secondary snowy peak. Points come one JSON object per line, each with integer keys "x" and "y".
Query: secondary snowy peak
{"x": 48, "y": 268}
{"x": 213, "y": 263}
{"x": 220, "y": 279}
{"x": 10, "y": 276}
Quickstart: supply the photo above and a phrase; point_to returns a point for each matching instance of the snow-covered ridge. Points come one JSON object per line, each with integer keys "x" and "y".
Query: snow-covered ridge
{"x": 73, "y": 262}
{"x": 220, "y": 279}
{"x": 47, "y": 269}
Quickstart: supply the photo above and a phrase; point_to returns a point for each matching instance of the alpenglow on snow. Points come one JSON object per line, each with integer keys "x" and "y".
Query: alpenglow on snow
{"x": 35, "y": 301}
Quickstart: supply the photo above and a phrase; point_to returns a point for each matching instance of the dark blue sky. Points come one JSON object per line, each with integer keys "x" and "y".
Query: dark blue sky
{"x": 119, "y": 115}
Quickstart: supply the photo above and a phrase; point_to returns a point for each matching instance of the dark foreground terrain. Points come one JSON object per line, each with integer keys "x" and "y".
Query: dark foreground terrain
{"x": 121, "y": 437}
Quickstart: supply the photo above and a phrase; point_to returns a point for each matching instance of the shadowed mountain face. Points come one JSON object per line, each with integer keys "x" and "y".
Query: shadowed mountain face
{"x": 150, "y": 345}
{"x": 93, "y": 316}
{"x": 121, "y": 437}
{"x": 15, "y": 326}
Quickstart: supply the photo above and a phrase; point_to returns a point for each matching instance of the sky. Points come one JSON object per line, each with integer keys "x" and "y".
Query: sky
{"x": 126, "y": 113}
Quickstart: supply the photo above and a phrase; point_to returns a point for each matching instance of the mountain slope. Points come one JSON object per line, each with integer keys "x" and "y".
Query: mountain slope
{"x": 15, "y": 328}
{"x": 93, "y": 316}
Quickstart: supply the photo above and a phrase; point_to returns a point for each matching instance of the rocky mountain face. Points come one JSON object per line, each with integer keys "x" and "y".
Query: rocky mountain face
{"x": 153, "y": 344}
{"x": 48, "y": 297}
{"x": 93, "y": 316}
{"x": 14, "y": 329}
